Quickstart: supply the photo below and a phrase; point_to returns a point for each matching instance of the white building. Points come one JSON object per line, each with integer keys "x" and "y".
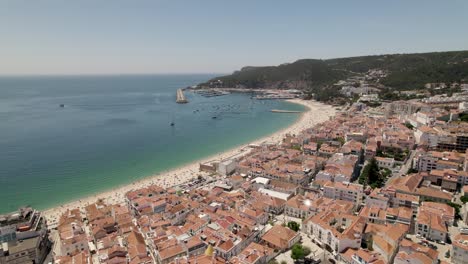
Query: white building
{"x": 388, "y": 163}
{"x": 227, "y": 167}
{"x": 335, "y": 230}
{"x": 344, "y": 191}
{"x": 460, "y": 249}
{"x": 426, "y": 136}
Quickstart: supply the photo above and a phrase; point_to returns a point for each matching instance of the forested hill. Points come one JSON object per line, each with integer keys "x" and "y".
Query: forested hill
{"x": 405, "y": 71}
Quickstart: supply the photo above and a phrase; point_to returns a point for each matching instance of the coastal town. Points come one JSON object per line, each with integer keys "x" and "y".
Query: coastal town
{"x": 368, "y": 182}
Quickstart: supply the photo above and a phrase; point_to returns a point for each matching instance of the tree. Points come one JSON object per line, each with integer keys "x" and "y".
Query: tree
{"x": 284, "y": 262}
{"x": 341, "y": 140}
{"x": 409, "y": 125}
{"x": 299, "y": 252}
{"x": 273, "y": 261}
{"x": 371, "y": 175}
{"x": 293, "y": 226}
{"x": 447, "y": 254}
{"x": 464, "y": 199}
{"x": 457, "y": 209}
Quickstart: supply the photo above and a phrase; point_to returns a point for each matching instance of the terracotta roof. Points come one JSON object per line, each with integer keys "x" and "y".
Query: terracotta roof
{"x": 279, "y": 236}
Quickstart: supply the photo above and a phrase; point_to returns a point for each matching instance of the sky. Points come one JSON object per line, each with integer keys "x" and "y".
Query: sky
{"x": 215, "y": 36}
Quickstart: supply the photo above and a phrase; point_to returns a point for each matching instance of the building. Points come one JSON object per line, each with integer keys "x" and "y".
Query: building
{"x": 280, "y": 238}
{"x": 426, "y": 136}
{"x": 434, "y": 160}
{"x": 340, "y": 168}
{"x": 460, "y": 249}
{"x": 345, "y": 191}
{"x": 431, "y": 226}
{"x": 72, "y": 237}
{"x": 24, "y": 237}
{"x": 227, "y": 167}
{"x": 300, "y": 206}
{"x": 413, "y": 253}
{"x": 335, "y": 230}
{"x": 388, "y": 163}
{"x": 254, "y": 254}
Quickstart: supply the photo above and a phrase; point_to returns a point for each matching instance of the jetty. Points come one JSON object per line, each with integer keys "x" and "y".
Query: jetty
{"x": 284, "y": 111}
{"x": 181, "y": 97}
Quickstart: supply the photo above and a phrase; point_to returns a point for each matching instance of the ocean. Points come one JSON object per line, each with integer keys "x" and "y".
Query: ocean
{"x": 113, "y": 130}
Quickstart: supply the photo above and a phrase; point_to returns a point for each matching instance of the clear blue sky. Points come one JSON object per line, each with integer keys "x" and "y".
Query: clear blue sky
{"x": 196, "y": 36}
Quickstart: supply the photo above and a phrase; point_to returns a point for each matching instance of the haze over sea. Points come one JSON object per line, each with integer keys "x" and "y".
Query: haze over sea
{"x": 113, "y": 130}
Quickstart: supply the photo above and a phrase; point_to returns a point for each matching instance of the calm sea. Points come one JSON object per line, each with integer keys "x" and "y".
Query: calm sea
{"x": 113, "y": 130}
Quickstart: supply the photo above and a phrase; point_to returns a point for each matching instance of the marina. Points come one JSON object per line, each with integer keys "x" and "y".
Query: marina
{"x": 211, "y": 93}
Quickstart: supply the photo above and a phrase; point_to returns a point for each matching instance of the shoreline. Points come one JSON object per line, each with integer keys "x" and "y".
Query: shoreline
{"x": 184, "y": 173}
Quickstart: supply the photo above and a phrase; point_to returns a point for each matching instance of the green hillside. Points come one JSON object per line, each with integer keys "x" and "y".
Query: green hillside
{"x": 405, "y": 71}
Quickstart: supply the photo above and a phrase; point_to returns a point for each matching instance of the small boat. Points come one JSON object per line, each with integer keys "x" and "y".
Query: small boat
{"x": 213, "y": 117}
{"x": 172, "y": 121}
{"x": 62, "y": 105}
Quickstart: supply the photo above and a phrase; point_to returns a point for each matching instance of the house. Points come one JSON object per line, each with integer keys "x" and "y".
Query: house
{"x": 384, "y": 239}
{"x": 280, "y": 238}
{"x": 310, "y": 148}
{"x": 335, "y": 230}
{"x": 254, "y": 254}
{"x": 388, "y": 163}
{"x": 340, "y": 168}
{"x": 431, "y": 226}
{"x": 346, "y": 191}
{"x": 300, "y": 206}
{"x": 435, "y": 160}
{"x": 460, "y": 249}
{"x": 413, "y": 253}
{"x": 361, "y": 256}
{"x": 353, "y": 147}
{"x": 71, "y": 233}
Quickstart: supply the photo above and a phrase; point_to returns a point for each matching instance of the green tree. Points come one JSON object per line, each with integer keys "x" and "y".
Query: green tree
{"x": 409, "y": 125}
{"x": 293, "y": 226}
{"x": 457, "y": 209}
{"x": 341, "y": 140}
{"x": 299, "y": 252}
{"x": 371, "y": 175}
{"x": 273, "y": 261}
{"x": 464, "y": 199}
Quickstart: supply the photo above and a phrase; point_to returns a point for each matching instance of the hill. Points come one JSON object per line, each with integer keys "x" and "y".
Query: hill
{"x": 404, "y": 71}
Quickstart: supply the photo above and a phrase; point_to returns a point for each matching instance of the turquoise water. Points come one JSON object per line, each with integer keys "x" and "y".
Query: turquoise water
{"x": 113, "y": 130}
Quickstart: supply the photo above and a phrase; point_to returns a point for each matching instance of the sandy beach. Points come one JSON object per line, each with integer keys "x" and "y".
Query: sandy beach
{"x": 316, "y": 113}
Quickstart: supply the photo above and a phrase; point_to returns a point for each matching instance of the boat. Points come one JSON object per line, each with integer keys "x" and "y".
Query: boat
{"x": 62, "y": 105}
{"x": 213, "y": 117}
{"x": 172, "y": 122}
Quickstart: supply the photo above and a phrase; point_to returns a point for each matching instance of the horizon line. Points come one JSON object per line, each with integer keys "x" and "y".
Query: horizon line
{"x": 105, "y": 74}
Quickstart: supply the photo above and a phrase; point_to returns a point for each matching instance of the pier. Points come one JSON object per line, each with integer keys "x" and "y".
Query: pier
{"x": 284, "y": 111}
{"x": 181, "y": 97}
